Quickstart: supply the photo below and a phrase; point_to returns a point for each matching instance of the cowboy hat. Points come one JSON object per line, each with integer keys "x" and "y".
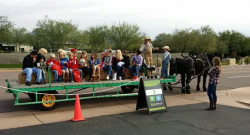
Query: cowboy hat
{"x": 147, "y": 38}
{"x": 166, "y": 47}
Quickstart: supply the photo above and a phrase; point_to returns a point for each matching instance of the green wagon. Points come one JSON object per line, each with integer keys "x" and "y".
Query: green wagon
{"x": 47, "y": 95}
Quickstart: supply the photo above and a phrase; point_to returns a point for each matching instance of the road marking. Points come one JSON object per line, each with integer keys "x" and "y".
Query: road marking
{"x": 236, "y": 72}
{"x": 238, "y": 76}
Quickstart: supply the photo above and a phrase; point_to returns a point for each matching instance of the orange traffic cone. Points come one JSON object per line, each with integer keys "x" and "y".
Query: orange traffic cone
{"x": 78, "y": 111}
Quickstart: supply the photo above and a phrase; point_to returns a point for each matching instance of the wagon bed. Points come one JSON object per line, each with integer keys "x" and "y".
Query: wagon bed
{"x": 47, "y": 96}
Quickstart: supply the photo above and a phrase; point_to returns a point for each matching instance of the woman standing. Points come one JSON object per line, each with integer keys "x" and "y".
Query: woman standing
{"x": 213, "y": 82}
{"x": 94, "y": 66}
{"x": 83, "y": 64}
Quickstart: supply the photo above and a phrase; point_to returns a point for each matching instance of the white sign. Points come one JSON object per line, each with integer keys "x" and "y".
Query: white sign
{"x": 153, "y": 92}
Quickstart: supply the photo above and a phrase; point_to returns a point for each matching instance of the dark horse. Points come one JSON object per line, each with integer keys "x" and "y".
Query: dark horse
{"x": 207, "y": 60}
{"x": 187, "y": 67}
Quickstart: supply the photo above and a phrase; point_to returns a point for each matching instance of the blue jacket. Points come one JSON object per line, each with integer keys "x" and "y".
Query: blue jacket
{"x": 64, "y": 66}
{"x": 95, "y": 63}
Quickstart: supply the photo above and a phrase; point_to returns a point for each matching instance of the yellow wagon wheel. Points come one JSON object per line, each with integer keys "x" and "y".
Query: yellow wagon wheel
{"x": 48, "y": 97}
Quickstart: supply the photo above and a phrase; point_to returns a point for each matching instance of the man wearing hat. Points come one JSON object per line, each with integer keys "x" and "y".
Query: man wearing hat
{"x": 146, "y": 49}
{"x": 165, "y": 62}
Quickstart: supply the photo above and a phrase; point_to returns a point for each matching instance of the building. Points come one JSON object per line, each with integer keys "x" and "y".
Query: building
{"x": 12, "y": 48}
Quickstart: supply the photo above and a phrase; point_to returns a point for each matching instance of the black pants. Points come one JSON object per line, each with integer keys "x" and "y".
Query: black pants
{"x": 85, "y": 71}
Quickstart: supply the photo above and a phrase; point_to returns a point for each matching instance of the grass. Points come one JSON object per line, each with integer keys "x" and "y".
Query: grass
{"x": 11, "y": 65}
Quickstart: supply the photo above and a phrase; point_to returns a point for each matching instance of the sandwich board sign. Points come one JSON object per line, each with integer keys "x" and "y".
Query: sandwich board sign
{"x": 151, "y": 96}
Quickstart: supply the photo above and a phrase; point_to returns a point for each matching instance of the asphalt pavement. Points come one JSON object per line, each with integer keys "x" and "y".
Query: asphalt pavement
{"x": 188, "y": 120}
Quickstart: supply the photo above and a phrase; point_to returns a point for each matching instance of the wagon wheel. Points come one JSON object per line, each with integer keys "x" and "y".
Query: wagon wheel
{"x": 50, "y": 105}
{"x": 128, "y": 89}
{"x": 164, "y": 86}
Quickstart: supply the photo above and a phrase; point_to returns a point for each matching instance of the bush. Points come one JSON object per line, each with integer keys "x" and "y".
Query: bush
{"x": 1, "y": 51}
{"x": 247, "y": 60}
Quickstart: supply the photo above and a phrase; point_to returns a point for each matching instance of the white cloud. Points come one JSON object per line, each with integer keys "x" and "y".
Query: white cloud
{"x": 153, "y": 17}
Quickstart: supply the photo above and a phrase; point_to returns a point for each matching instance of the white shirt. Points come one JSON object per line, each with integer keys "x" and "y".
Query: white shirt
{"x": 165, "y": 55}
{"x": 144, "y": 47}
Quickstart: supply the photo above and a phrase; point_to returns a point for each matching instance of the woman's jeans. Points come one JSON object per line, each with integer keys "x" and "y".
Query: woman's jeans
{"x": 119, "y": 70}
{"x": 164, "y": 70}
{"x": 134, "y": 70}
{"x": 108, "y": 68}
{"x": 34, "y": 70}
{"x": 211, "y": 92}
{"x": 85, "y": 71}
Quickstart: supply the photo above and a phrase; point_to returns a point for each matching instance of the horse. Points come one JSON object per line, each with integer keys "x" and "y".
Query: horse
{"x": 207, "y": 60}
{"x": 187, "y": 67}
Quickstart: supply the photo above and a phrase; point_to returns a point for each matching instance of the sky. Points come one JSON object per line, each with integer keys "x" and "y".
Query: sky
{"x": 153, "y": 16}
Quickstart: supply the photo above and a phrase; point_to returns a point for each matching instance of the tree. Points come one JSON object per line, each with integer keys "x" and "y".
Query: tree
{"x": 5, "y": 29}
{"x": 19, "y": 36}
{"x": 54, "y": 34}
{"x": 164, "y": 39}
{"x": 235, "y": 41}
{"x": 206, "y": 40}
{"x": 184, "y": 40}
{"x": 123, "y": 35}
{"x": 97, "y": 37}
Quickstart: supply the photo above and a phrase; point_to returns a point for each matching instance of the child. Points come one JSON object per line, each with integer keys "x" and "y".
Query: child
{"x": 54, "y": 69}
{"x": 64, "y": 65}
{"x": 108, "y": 64}
{"x": 73, "y": 65}
{"x": 83, "y": 63}
{"x": 213, "y": 81}
{"x": 40, "y": 63}
{"x": 93, "y": 66}
{"x": 165, "y": 62}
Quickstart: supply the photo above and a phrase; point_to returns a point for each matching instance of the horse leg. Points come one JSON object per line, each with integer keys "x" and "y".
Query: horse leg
{"x": 183, "y": 83}
{"x": 204, "y": 80}
{"x": 198, "y": 83}
{"x": 187, "y": 83}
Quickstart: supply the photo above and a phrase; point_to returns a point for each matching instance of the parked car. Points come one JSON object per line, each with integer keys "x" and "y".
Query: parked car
{"x": 69, "y": 49}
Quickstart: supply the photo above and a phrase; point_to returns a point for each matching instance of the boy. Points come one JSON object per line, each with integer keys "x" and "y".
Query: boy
{"x": 165, "y": 62}
{"x": 64, "y": 65}
{"x": 73, "y": 65}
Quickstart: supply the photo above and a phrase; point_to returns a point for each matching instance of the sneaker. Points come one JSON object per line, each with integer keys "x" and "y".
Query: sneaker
{"x": 55, "y": 81}
{"x": 107, "y": 77}
{"x": 28, "y": 84}
{"x": 38, "y": 83}
{"x": 135, "y": 78}
{"x": 72, "y": 81}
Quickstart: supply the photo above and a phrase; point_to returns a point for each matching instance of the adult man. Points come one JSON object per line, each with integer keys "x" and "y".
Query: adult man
{"x": 29, "y": 67}
{"x": 136, "y": 64}
{"x": 146, "y": 49}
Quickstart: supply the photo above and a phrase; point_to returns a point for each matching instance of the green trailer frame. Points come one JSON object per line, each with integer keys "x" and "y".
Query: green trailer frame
{"x": 47, "y": 95}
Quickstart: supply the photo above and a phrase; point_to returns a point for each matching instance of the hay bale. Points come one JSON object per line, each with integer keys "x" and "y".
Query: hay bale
{"x": 22, "y": 78}
{"x": 104, "y": 75}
